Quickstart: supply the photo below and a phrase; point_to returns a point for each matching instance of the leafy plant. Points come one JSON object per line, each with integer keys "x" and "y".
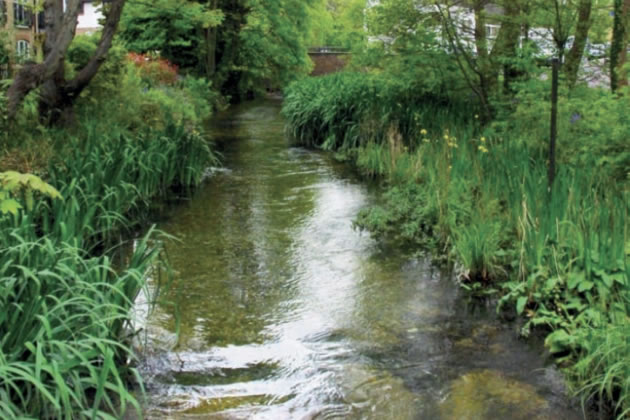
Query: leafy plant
{"x": 14, "y": 184}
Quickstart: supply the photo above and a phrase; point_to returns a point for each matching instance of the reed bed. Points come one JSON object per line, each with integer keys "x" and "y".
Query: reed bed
{"x": 64, "y": 324}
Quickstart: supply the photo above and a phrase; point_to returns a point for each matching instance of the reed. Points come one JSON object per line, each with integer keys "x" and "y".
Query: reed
{"x": 64, "y": 326}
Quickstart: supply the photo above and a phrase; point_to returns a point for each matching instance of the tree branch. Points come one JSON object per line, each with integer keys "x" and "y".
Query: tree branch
{"x": 87, "y": 73}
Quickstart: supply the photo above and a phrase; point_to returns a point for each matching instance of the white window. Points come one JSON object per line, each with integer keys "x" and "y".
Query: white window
{"x": 492, "y": 31}
{"x": 21, "y": 14}
{"x": 23, "y": 49}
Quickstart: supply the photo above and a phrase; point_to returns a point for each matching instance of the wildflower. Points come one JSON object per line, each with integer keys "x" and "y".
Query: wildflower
{"x": 423, "y": 132}
{"x": 476, "y": 116}
{"x": 426, "y": 140}
{"x": 575, "y": 118}
{"x": 446, "y": 137}
{"x": 450, "y": 167}
{"x": 483, "y": 149}
{"x": 483, "y": 139}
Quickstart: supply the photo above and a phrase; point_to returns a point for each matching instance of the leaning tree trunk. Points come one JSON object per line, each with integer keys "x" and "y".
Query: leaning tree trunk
{"x": 574, "y": 58}
{"x": 58, "y": 95}
{"x": 60, "y": 27}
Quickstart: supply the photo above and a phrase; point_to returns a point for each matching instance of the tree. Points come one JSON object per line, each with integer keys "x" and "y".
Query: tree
{"x": 574, "y": 58}
{"x": 274, "y": 43}
{"x": 618, "y": 49}
{"x": 57, "y": 95}
{"x": 240, "y": 45}
{"x": 175, "y": 28}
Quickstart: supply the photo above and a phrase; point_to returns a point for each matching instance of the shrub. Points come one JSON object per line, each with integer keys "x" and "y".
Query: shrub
{"x": 154, "y": 70}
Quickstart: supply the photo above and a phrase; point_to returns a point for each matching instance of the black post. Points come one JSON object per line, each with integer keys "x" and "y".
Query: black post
{"x": 554, "y": 121}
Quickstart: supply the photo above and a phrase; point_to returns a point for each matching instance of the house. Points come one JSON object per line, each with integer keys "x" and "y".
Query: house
{"x": 22, "y": 26}
{"x": 90, "y": 17}
{"x": 462, "y": 16}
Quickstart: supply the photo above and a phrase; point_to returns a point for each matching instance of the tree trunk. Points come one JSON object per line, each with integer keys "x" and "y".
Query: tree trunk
{"x": 574, "y": 58}
{"x": 211, "y": 47}
{"x": 487, "y": 75}
{"x": 58, "y": 95}
{"x": 62, "y": 26}
{"x": 622, "y": 74}
{"x": 619, "y": 43}
{"x": 506, "y": 44}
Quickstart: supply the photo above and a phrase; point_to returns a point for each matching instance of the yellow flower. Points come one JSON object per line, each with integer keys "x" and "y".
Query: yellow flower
{"x": 445, "y": 136}
{"x": 423, "y": 132}
{"x": 476, "y": 116}
{"x": 450, "y": 167}
{"x": 483, "y": 139}
{"x": 483, "y": 149}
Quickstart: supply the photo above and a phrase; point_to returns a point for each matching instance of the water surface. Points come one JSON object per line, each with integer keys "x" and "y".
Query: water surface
{"x": 284, "y": 311}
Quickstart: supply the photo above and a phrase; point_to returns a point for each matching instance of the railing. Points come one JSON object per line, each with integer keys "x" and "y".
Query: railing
{"x": 328, "y": 50}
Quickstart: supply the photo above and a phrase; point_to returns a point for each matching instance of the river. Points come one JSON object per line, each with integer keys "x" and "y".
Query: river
{"x": 279, "y": 309}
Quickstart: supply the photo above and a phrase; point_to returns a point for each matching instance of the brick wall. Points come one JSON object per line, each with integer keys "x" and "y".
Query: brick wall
{"x": 326, "y": 63}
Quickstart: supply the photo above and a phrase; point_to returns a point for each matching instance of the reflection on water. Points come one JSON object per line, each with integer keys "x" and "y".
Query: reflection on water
{"x": 287, "y": 312}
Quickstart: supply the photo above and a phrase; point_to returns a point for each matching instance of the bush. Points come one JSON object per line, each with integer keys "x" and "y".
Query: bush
{"x": 593, "y": 126}
{"x": 154, "y": 70}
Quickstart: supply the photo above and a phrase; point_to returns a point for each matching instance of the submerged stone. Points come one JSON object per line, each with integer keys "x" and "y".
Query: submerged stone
{"x": 488, "y": 394}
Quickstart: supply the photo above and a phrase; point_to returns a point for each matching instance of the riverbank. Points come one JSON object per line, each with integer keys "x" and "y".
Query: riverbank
{"x": 65, "y": 288}
{"x": 476, "y": 195}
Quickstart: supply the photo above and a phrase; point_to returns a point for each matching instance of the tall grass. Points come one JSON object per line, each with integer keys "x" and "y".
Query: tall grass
{"x": 65, "y": 305}
{"x": 347, "y": 110}
{"x": 560, "y": 257}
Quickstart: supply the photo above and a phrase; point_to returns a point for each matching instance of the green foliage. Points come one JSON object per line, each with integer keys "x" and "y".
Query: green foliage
{"x": 14, "y": 184}
{"x": 5, "y": 51}
{"x": 346, "y": 110}
{"x": 602, "y": 373}
{"x": 593, "y": 127}
{"x": 273, "y": 44}
{"x": 64, "y": 341}
{"x": 338, "y": 23}
{"x": 170, "y": 27}
{"x": 479, "y": 195}
{"x": 107, "y": 81}
{"x": 252, "y": 45}
{"x": 64, "y": 345}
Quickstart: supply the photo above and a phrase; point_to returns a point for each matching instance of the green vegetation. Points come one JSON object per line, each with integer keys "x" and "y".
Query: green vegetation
{"x": 243, "y": 47}
{"x": 68, "y": 278}
{"x": 90, "y": 135}
{"x": 64, "y": 337}
{"x": 467, "y": 182}
{"x": 452, "y": 118}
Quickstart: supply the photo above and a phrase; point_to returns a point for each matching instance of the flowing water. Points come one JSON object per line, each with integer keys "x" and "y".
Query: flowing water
{"x": 279, "y": 309}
